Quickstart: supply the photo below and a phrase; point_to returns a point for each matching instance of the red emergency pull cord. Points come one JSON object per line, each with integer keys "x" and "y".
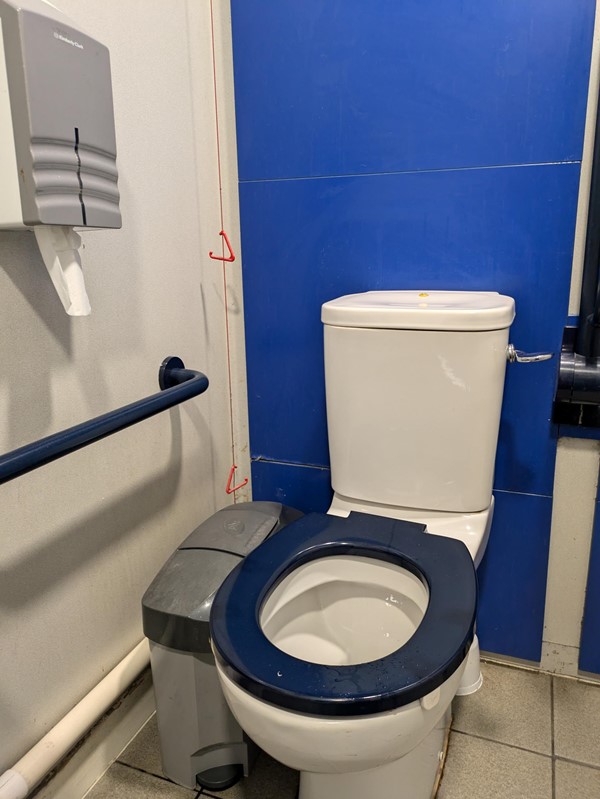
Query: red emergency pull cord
{"x": 229, "y": 488}
{"x": 222, "y": 257}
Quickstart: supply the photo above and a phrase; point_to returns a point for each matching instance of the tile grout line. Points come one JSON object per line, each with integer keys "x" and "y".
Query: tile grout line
{"x": 575, "y": 678}
{"x": 326, "y": 468}
{"x": 501, "y": 743}
{"x": 431, "y": 170}
{"x": 279, "y": 462}
{"x": 156, "y": 776}
{"x": 488, "y": 657}
{"x": 576, "y": 763}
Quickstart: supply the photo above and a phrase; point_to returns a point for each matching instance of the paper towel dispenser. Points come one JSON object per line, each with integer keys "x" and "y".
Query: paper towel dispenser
{"x": 57, "y": 137}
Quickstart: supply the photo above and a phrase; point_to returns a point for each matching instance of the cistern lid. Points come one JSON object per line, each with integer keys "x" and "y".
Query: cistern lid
{"x": 421, "y": 310}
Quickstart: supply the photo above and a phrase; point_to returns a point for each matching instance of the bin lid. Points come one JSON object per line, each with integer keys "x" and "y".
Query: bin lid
{"x": 176, "y": 606}
{"x": 421, "y": 310}
{"x": 237, "y": 529}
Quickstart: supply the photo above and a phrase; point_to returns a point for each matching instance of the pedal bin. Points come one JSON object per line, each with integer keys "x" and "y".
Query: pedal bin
{"x": 200, "y": 741}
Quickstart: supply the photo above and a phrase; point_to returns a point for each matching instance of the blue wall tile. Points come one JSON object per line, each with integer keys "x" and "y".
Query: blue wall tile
{"x": 589, "y": 654}
{"x": 349, "y": 87}
{"x": 304, "y": 487}
{"x": 307, "y": 241}
{"x": 528, "y": 439}
{"x": 512, "y": 576}
{"x": 423, "y": 91}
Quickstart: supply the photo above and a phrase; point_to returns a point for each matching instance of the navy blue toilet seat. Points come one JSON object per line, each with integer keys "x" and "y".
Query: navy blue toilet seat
{"x": 429, "y": 657}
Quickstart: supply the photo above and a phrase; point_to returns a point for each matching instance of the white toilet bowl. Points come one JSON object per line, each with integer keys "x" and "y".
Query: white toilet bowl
{"x": 352, "y": 757}
{"x": 340, "y": 644}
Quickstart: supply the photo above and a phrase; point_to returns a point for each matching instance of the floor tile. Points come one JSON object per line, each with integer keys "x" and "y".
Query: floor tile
{"x": 486, "y": 770}
{"x": 576, "y": 727}
{"x": 573, "y": 780}
{"x": 144, "y": 751}
{"x": 129, "y": 783}
{"x": 268, "y": 780}
{"x": 512, "y": 707}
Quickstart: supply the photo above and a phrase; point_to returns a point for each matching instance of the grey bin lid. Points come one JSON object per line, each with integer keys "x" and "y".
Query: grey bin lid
{"x": 237, "y": 528}
{"x": 176, "y": 606}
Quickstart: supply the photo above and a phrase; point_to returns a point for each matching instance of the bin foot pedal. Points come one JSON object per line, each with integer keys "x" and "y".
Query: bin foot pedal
{"x": 220, "y": 778}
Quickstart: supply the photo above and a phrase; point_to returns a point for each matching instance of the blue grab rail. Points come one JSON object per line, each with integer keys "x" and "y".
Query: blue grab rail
{"x": 177, "y": 384}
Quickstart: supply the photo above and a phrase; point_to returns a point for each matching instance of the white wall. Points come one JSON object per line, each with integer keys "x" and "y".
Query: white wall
{"x": 81, "y": 538}
{"x": 574, "y": 504}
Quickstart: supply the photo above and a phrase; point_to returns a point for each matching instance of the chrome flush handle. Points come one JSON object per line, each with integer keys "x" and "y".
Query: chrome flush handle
{"x": 513, "y": 355}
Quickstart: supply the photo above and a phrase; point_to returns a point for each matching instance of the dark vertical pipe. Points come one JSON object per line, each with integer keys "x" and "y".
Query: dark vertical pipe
{"x": 587, "y": 342}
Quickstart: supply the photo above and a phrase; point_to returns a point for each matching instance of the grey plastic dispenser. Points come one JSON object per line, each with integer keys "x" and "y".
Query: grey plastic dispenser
{"x": 57, "y": 138}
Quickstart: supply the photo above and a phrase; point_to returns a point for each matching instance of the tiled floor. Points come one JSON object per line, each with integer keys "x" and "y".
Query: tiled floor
{"x": 525, "y": 735}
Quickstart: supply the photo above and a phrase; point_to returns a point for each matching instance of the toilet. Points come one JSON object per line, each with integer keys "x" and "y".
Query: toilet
{"x": 341, "y": 641}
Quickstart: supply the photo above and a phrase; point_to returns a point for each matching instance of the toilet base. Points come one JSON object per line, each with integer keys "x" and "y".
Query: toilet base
{"x": 471, "y": 680}
{"x": 414, "y": 776}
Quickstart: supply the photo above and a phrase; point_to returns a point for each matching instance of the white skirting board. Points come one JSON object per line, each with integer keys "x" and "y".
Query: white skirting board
{"x": 103, "y": 744}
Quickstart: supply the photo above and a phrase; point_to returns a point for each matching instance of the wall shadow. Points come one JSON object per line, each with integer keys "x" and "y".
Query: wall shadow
{"x": 29, "y": 578}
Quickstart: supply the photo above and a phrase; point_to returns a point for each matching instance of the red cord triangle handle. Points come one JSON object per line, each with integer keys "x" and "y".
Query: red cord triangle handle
{"x": 231, "y": 256}
{"x": 230, "y": 489}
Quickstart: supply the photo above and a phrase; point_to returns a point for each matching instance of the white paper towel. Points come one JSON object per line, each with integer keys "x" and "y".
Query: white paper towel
{"x": 59, "y": 246}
